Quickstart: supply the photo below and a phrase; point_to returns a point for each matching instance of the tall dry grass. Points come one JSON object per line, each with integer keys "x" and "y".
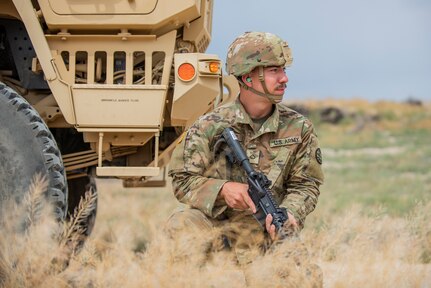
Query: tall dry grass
{"x": 359, "y": 250}
{"x": 128, "y": 249}
{"x": 34, "y": 248}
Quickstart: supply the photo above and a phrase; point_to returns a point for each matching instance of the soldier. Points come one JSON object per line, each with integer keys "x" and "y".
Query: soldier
{"x": 278, "y": 141}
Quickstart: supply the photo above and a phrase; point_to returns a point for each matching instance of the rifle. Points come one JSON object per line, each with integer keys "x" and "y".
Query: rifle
{"x": 258, "y": 186}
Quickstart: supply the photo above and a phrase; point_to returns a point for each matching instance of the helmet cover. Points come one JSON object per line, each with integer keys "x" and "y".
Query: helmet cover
{"x": 254, "y": 49}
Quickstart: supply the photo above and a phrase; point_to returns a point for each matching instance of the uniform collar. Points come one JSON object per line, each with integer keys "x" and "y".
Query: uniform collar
{"x": 270, "y": 125}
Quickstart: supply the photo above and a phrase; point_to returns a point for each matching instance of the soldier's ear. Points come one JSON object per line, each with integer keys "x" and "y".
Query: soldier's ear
{"x": 246, "y": 79}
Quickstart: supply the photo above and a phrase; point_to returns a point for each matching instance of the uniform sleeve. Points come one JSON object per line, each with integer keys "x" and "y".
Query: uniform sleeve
{"x": 190, "y": 163}
{"x": 305, "y": 177}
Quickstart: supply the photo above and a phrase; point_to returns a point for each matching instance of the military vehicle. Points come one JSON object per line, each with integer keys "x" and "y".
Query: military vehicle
{"x": 99, "y": 87}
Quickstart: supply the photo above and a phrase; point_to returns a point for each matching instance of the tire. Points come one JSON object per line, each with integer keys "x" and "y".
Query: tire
{"x": 27, "y": 147}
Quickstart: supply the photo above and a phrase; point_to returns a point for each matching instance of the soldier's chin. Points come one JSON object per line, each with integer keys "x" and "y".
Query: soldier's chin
{"x": 276, "y": 98}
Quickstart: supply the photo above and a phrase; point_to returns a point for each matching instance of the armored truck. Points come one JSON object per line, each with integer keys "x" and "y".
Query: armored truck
{"x": 99, "y": 88}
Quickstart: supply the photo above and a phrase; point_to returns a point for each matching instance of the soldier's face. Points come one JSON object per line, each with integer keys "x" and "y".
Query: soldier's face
{"x": 275, "y": 80}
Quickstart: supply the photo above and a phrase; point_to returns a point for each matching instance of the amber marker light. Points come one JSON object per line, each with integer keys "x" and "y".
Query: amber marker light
{"x": 214, "y": 67}
{"x": 186, "y": 71}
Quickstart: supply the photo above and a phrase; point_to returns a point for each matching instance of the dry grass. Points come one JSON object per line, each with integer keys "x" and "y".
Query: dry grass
{"x": 375, "y": 251}
{"x": 127, "y": 250}
{"x": 358, "y": 247}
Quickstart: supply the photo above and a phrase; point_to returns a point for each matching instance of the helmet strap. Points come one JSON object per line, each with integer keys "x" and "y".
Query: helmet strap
{"x": 262, "y": 80}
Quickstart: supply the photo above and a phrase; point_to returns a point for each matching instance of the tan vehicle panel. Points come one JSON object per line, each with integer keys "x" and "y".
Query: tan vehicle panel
{"x": 106, "y": 7}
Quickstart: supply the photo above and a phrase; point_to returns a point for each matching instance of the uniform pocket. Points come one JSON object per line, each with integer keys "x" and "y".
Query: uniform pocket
{"x": 278, "y": 167}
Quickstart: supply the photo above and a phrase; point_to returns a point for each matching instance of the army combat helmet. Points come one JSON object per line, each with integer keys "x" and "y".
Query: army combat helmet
{"x": 257, "y": 49}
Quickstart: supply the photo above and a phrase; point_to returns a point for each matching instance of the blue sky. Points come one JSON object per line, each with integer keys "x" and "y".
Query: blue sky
{"x": 377, "y": 50}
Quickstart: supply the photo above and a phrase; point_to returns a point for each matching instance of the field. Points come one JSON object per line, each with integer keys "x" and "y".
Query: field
{"x": 371, "y": 227}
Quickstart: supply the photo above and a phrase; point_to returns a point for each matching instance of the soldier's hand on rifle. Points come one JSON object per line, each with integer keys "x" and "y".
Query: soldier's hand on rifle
{"x": 290, "y": 224}
{"x": 236, "y": 196}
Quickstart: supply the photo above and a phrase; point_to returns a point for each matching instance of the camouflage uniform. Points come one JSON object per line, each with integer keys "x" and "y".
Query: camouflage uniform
{"x": 285, "y": 148}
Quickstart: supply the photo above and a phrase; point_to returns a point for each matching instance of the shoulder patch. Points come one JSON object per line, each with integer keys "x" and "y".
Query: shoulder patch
{"x": 319, "y": 156}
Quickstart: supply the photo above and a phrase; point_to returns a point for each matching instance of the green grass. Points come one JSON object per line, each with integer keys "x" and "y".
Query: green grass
{"x": 375, "y": 167}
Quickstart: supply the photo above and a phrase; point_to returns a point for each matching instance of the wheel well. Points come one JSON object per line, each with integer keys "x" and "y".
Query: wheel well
{"x": 16, "y": 55}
